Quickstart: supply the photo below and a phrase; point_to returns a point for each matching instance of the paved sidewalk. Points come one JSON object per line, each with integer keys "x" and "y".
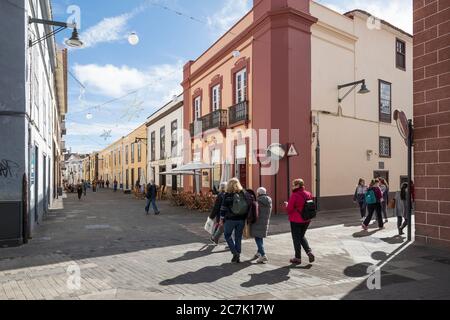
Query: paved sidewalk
{"x": 123, "y": 254}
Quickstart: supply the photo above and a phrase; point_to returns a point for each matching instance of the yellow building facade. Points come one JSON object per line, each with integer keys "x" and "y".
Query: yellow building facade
{"x": 125, "y": 160}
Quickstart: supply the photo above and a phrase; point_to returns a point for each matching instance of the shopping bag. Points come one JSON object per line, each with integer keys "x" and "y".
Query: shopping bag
{"x": 246, "y": 234}
{"x": 209, "y": 225}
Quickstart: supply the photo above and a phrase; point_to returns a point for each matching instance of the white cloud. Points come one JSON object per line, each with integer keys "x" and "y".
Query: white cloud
{"x": 115, "y": 81}
{"x": 396, "y": 12}
{"x": 108, "y": 30}
{"x": 229, "y": 14}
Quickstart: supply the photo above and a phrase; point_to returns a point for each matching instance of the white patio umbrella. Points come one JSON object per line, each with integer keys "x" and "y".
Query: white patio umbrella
{"x": 194, "y": 167}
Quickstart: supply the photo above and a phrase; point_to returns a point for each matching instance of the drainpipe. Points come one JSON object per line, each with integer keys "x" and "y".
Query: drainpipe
{"x": 318, "y": 167}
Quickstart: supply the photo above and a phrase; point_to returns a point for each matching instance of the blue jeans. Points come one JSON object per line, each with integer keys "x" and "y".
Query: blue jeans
{"x": 260, "y": 244}
{"x": 238, "y": 227}
{"x": 153, "y": 203}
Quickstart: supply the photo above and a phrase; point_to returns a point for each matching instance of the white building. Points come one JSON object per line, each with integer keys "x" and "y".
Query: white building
{"x": 165, "y": 150}
{"x": 30, "y": 117}
{"x": 73, "y": 172}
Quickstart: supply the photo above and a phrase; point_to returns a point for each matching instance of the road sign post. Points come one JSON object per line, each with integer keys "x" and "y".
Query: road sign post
{"x": 406, "y": 130}
{"x": 292, "y": 152}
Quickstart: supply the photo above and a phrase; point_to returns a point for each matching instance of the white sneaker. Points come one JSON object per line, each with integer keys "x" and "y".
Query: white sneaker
{"x": 257, "y": 255}
{"x": 262, "y": 259}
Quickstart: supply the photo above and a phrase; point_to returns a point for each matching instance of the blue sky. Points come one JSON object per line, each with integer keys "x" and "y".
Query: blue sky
{"x": 109, "y": 67}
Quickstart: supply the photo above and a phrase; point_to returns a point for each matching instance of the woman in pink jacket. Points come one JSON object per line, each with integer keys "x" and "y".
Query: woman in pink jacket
{"x": 298, "y": 225}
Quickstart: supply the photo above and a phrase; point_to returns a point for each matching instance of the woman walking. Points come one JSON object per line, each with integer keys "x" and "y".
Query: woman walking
{"x": 259, "y": 229}
{"x": 359, "y": 197}
{"x": 298, "y": 224}
{"x": 79, "y": 191}
{"x": 233, "y": 213}
{"x": 401, "y": 206}
{"x": 373, "y": 200}
{"x": 385, "y": 191}
{"x": 215, "y": 214}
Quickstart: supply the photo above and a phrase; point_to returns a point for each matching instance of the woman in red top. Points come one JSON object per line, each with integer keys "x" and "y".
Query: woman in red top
{"x": 298, "y": 225}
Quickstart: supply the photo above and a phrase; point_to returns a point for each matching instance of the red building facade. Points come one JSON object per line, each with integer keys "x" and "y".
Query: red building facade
{"x": 432, "y": 120}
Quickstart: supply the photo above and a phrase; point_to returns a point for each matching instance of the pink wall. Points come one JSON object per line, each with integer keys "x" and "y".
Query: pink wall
{"x": 282, "y": 87}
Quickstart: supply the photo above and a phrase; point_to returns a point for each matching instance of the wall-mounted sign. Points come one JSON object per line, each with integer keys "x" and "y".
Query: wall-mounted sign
{"x": 292, "y": 151}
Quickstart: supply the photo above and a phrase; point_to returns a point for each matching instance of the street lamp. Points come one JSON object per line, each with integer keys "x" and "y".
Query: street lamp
{"x": 74, "y": 41}
{"x": 353, "y": 85}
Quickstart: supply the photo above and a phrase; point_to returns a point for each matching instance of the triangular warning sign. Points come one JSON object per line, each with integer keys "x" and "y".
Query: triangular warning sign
{"x": 292, "y": 151}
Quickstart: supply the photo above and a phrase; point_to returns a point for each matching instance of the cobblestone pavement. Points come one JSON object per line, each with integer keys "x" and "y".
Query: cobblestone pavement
{"x": 124, "y": 254}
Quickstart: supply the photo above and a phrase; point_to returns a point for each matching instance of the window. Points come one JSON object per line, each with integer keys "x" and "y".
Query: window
{"x": 385, "y": 147}
{"x": 241, "y": 86}
{"x": 119, "y": 158}
{"x": 215, "y": 97}
{"x": 139, "y": 151}
{"x": 132, "y": 153}
{"x": 126, "y": 154}
{"x": 115, "y": 158}
{"x": 385, "y": 101}
{"x": 152, "y": 146}
{"x": 197, "y": 108}
{"x": 400, "y": 56}
{"x": 174, "y": 138}
{"x": 162, "y": 143}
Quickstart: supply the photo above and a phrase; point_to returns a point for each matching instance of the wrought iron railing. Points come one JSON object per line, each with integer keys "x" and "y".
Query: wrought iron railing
{"x": 238, "y": 113}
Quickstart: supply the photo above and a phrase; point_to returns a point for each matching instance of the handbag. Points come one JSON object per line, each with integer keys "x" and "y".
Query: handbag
{"x": 247, "y": 233}
{"x": 209, "y": 225}
{"x": 391, "y": 204}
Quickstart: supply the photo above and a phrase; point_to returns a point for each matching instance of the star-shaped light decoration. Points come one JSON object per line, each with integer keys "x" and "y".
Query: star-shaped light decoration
{"x": 106, "y": 134}
{"x": 134, "y": 110}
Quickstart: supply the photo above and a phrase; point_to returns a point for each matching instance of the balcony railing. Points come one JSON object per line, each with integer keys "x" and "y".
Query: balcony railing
{"x": 217, "y": 119}
{"x": 238, "y": 113}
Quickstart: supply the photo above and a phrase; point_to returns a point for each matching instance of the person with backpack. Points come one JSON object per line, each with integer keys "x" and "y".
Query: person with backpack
{"x": 401, "y": 208}
{"x": 299, "y": 201}
{"x": 385, "y": 191}
{"x": 234, "y": 211}
{"x": 359, "y": 197}
{"x": 259, "y": 225}
{"x": 215, "y": 214}
{"x": 373, "y": 200}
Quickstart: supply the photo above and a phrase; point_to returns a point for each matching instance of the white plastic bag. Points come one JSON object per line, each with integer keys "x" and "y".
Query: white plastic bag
{"x": 209, "y": 226}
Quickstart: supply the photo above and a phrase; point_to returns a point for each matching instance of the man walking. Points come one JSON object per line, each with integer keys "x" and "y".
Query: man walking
{"x": 84, "y": 183}
{"x": 151, "y": 198}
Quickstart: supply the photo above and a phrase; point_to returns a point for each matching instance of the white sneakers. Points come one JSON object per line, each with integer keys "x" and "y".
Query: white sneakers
{"x": 262, "y": 259}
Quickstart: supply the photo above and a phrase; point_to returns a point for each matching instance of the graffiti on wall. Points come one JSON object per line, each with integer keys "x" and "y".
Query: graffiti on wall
{"x": 8, "y": 168}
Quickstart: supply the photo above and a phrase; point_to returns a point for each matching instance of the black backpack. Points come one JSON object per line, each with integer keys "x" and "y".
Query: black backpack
{"x": 309, "y": 210}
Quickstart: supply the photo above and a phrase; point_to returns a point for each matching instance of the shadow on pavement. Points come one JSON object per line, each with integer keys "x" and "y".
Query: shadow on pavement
{"x": 406, "y": 273}
{"x": 202, "y": 252}
{"x": 207, "y": 274}
{"x": 268, "y": 277}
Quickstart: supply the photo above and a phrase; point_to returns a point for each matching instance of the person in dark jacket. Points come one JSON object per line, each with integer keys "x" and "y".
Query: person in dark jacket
{"x": 115, "y": 183}
{"x": 215, "y": 214}
{"x": 79, "y": 191}
{"x": 298, "y": 224}
{"x": 359, "y": 197}
{"x": 374, "y": 206}
{"x": 151, "y": 198}
{"x": 401, "y": 208}
{"x": 233, "y": 213}
{"x": 260, "y": 228}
